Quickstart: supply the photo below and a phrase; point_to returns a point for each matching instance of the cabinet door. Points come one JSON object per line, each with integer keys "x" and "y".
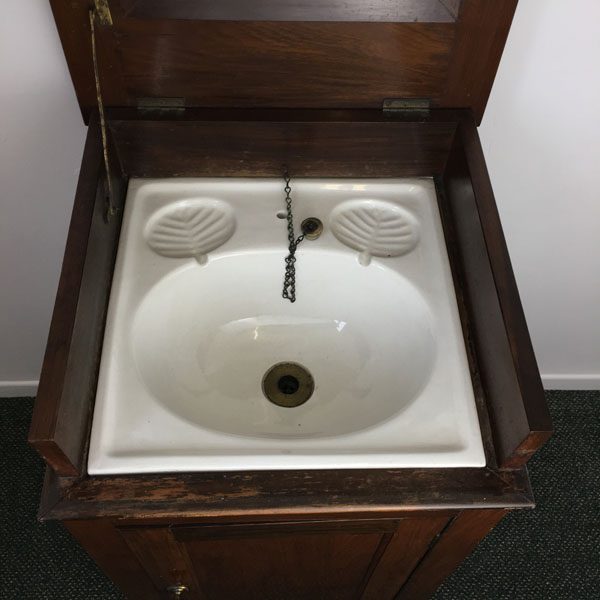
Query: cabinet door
{"x": 335, "y": 560}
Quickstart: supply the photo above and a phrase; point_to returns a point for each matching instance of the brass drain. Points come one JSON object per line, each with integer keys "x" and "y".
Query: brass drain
{"x": 288, "y": 384}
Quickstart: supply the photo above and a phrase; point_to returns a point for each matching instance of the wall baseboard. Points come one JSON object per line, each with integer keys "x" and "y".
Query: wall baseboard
{"x": 17, "y": 389}
{"x": 571, "y": 382}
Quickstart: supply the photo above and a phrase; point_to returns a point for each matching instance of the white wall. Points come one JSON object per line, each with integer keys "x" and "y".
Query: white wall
{"x": 41, "y": 141}
{"x": 541, "y": 135}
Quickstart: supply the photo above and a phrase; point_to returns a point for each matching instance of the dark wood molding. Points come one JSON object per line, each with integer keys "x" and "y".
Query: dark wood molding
{"x": 410, "y": 11}
{"x": 258, "y": 148}
{"x": 284, "y": 494}
{"x": 459, "y": 277}
{"x": 187, "y": 533}
{"x": 47, "y": 434}
{"x": 62, "y": 412}
{"x": 481, "y": 34}
{"x": 515, "y": 397}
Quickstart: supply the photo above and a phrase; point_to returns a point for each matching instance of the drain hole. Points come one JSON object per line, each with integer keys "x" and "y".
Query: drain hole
{"x": 281, "y": 214}
{"x": 288, "y": 384}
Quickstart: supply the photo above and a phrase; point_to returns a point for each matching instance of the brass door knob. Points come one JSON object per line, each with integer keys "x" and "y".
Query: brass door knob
{"x": 177, "y": 590}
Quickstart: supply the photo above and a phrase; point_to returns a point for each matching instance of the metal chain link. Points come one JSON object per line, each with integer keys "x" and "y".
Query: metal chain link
{"x": 289, "y": 281}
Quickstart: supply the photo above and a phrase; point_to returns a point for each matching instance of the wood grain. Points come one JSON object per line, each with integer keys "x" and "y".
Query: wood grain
{"x": 299, "y": 65}
{"x": 303, "y": 559}
{"x": 515, "y": 398}
{"x": 406, "y": 557}
{"x": 457, "y": 541}
{"x": 62, "y": 411}
{"x": 296, "y": 564}
{"x": 480, "y": 37}
{"x": 459, "y": 277}
{"x": 285, "y": 494}
{"x": 318, "y": 56}
{"x": 163, "y": 558}
{"x": 103, "y": 543}
{"x": 404, "y": 550}
{"x": 429, "y": 11}
{"x": 244, "y": 146}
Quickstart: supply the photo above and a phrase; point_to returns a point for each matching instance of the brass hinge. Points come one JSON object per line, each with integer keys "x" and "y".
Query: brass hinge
{"x": 407, "y": 106}
{"x": 161, "y": 105}
{"x": 103, "y": 12}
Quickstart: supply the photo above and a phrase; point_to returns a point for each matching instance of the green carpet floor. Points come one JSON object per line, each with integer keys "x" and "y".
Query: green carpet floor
{"x": 550, "y": 553}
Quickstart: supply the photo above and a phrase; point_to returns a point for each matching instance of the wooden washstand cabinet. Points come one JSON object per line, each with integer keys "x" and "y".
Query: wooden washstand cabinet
{"x": 335, "y": 89}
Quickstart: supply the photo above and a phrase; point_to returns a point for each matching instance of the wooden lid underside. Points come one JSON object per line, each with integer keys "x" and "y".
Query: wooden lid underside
{"x": 288, "y": 54}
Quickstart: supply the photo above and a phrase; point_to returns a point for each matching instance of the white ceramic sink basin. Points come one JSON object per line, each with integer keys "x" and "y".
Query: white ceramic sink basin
{"x": 196, "y": 320}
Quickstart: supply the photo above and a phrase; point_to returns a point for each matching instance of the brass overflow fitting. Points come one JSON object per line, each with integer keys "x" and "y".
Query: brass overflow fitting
{"x": 312, "y": 228}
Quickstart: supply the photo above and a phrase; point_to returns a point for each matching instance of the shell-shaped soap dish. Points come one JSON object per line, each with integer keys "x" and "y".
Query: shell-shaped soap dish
{"x": 375, "y": 228}
{"x": 190, "y": 228}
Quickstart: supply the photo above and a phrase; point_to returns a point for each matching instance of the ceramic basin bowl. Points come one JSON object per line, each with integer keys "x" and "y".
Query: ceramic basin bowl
{"x": 197, "y": 319}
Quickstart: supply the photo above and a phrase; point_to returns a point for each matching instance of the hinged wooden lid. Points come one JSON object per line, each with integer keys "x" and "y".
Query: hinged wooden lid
{"x": 287, "y": 53}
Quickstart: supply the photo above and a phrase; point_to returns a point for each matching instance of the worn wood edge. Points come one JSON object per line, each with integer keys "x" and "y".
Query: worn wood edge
{"x": 51, "y": 493}
{"x": 47, "y": 404}
{"x": 284, "y": 493}
{"x": 530, "y": 382}
{"x": 526, "y": 449}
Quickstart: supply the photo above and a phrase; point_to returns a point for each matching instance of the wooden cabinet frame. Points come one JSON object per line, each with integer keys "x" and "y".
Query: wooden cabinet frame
{"x": 415, "y": 552}
{"x": 314, "y": 143}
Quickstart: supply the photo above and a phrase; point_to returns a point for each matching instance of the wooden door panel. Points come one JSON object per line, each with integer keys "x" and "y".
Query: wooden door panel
{"x": 313, "y": 566}
{"x": 338, "y": 560}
